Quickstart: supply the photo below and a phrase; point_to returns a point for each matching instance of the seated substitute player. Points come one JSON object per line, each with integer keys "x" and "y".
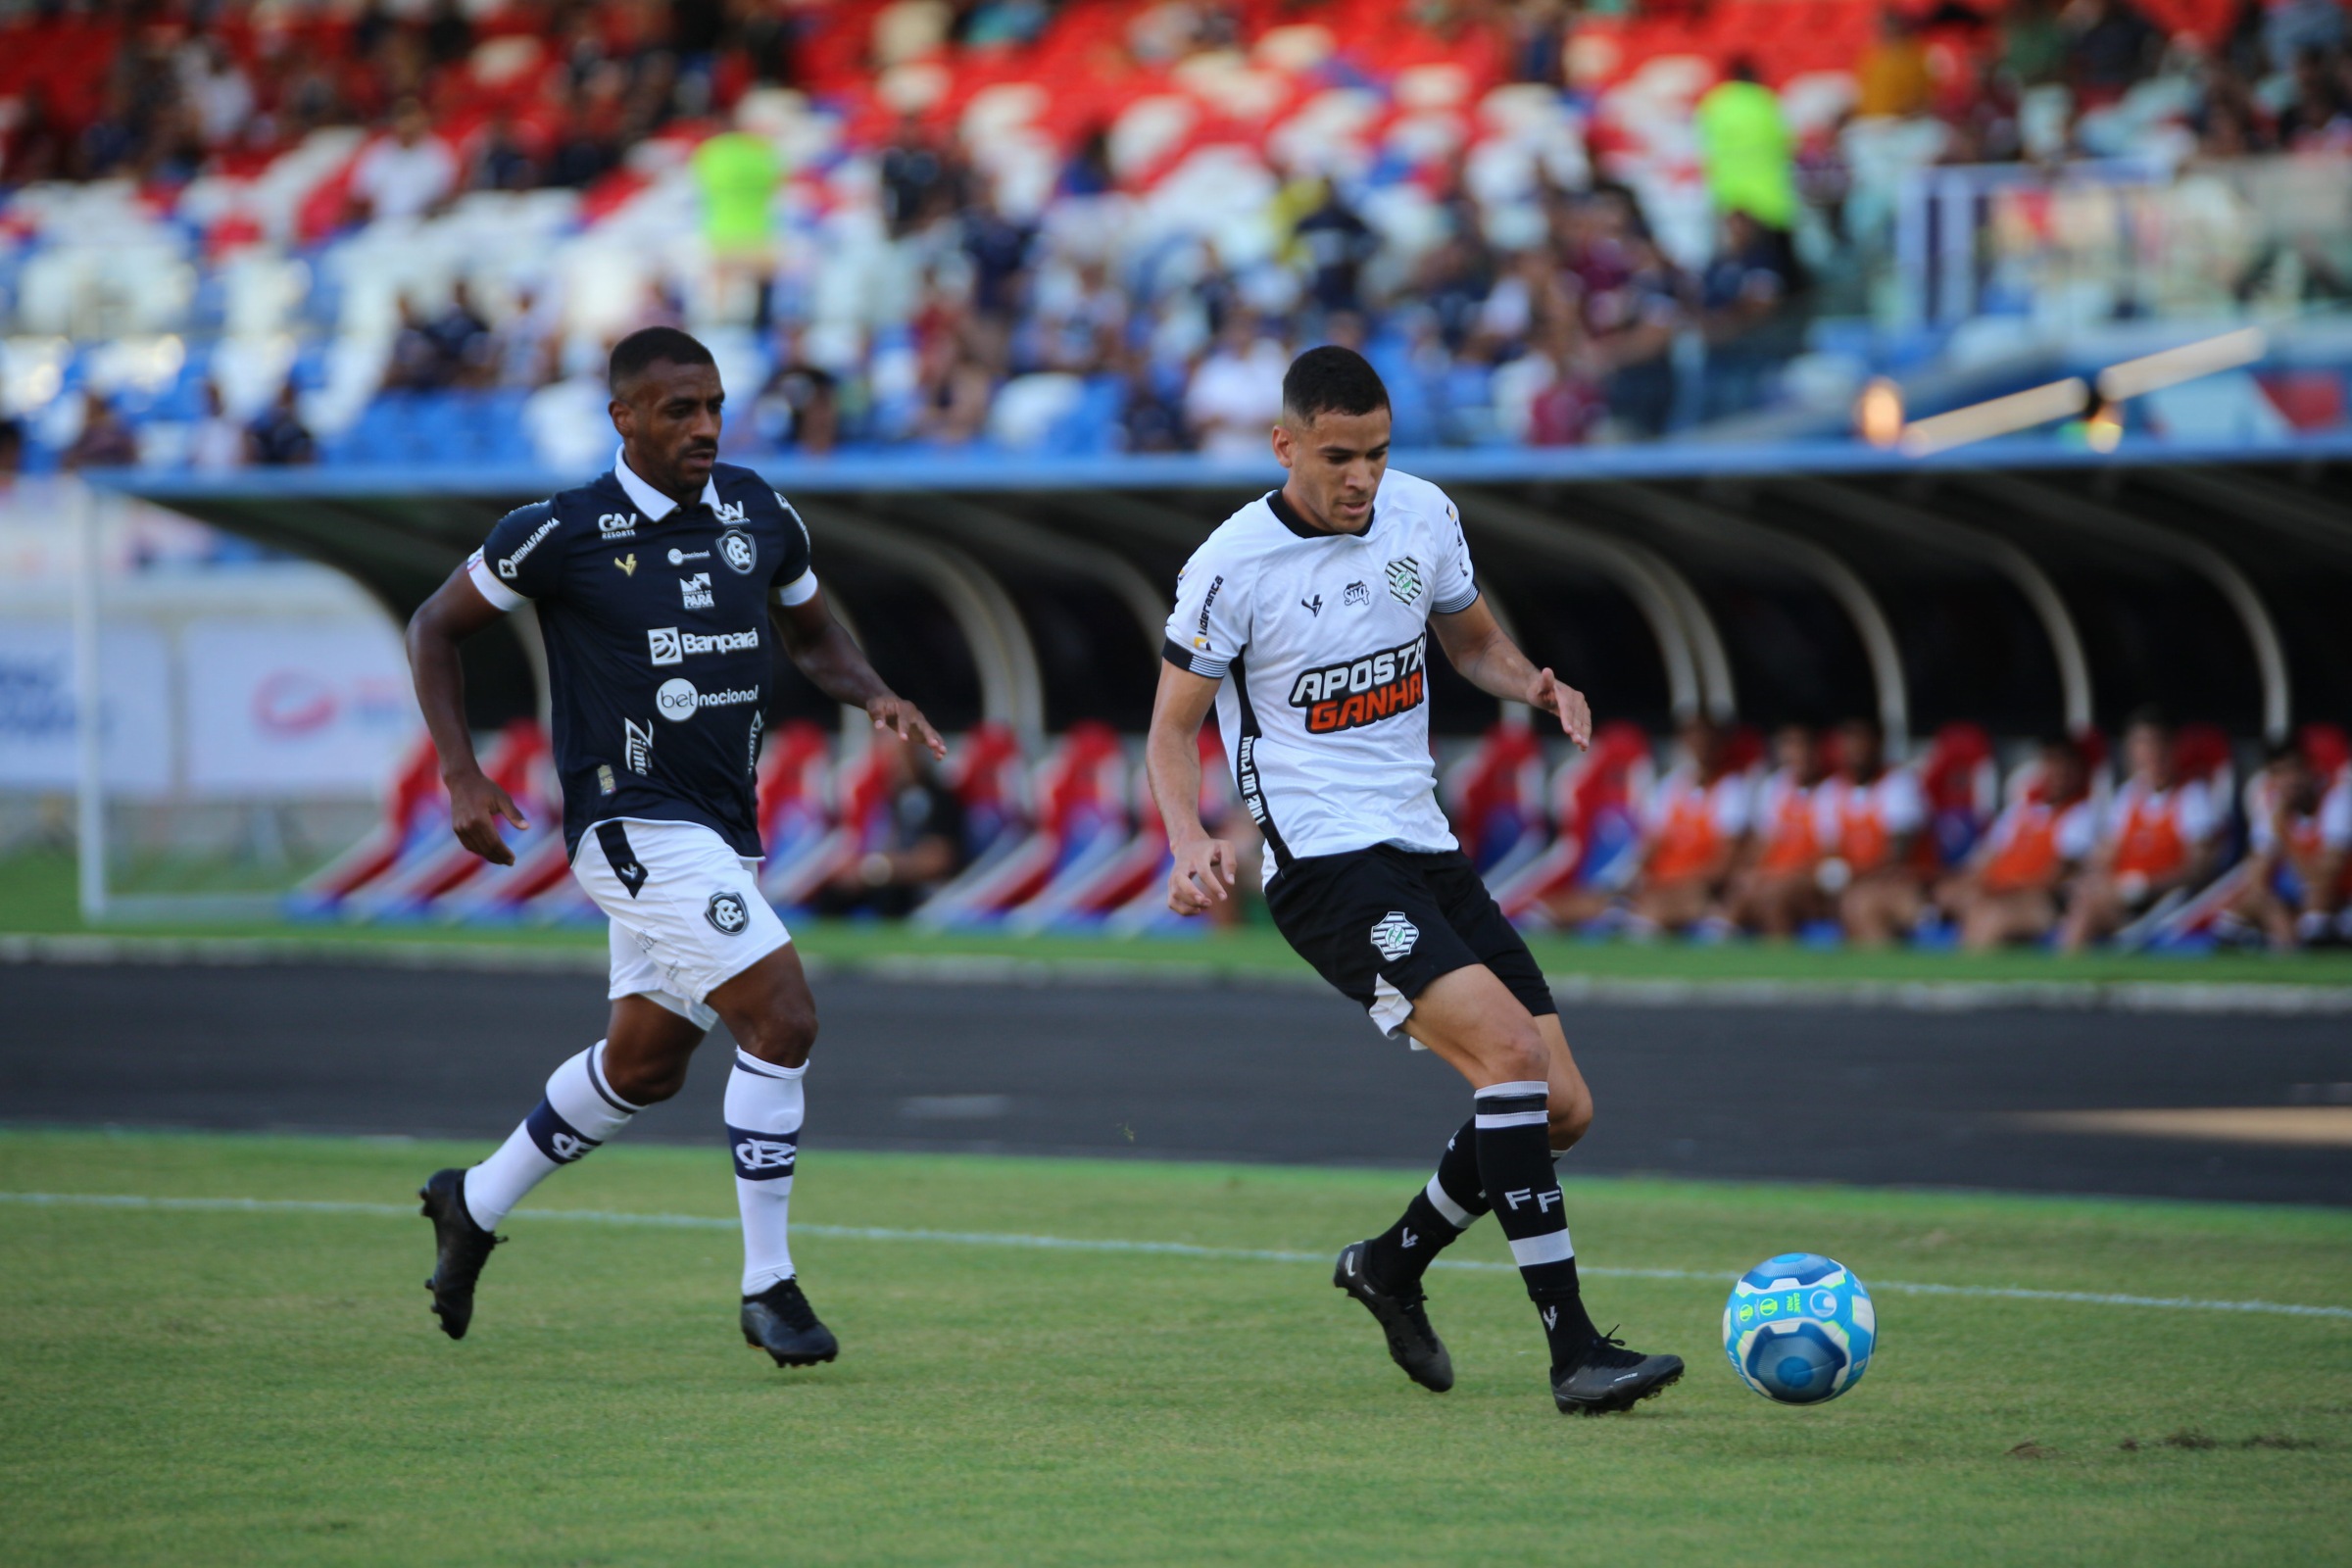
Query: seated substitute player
{"x": 1775, "y": 890}
{"x": 657, "y": 587}
{"x": 1697, "y": 824}
{"x": 2157, "y": 836}
{"x": 2009, "y": 890}
{"x": 1305, "y": 619}
{"x": 1877, "y": 812}
{"x": 2299, "y": 833}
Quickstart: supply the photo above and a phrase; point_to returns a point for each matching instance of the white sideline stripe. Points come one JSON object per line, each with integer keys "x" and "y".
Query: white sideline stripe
{"x": 2252, "y": 997}
{"x": 1077, "y": 1243}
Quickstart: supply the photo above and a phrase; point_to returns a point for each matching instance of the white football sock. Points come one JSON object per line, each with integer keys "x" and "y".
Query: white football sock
{"x": 580, "y": 1112}
{"x": 763, "y": 1132}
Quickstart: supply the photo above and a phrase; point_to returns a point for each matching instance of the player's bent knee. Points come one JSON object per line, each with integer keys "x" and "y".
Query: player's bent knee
{"x": 1570, "y": 1121}
{"x": 1517, "y": 1055}
{"x": 784, "y": 1034}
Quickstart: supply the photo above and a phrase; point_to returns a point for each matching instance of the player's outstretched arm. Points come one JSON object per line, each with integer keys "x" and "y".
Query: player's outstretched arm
{"x": 1204, "y": 870}
{"x": 454, "y": 612}
{"x": 1490, "y": 661}
{"x": 835, "y": 665}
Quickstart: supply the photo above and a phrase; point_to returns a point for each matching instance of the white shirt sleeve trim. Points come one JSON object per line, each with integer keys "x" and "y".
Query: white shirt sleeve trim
{"x": 501, "y": 597}
{"x": 799, "y": 591}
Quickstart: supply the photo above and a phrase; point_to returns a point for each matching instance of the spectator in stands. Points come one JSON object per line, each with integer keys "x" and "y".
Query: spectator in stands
{"x": 1774, "y": 890}
{"x": 1877, "y": 812}
{"x": 2110, "y": 48}
{"x": 2292, "y": 28}
{"x": 1537, "y": 33}
{"x": 1894, "y": 81}
{"x": 1629, "y": 297}
{"x": 914, "y": 840}
{"x": 919, "y": 179}
{"x": 2318, "y": 116}
{"x": 800, "y": 407}
{"x": 218, "y": 443}
{"x": 420, "y": 360}
{"x": 2033, "y": 44}
{"x": 1747, "y": 301}
{"x": 407, "y": 173}
{"x": 1235, "y": 396}
{"x": 110, "y": 142}
{"x": 277, "y": 438}
{"x": 503, "y": 160}
{"x": 1570, "y": 406}
{"x": 1747, "y": 150}
{"x": 1333, "y": 245}
{"x": 12, "y": 447}
{"x": 37, "y": 147}
{"x": 2009, "y": 892}
{"x": 106, "y": 440}
{"x": 736, "y": 174}
{"x": 447, "y": 36}
{"x": 955, "y": 389}
{"x": 1696, "y": 821}
{"x": 215, "y": 89}
{"x": 999, "y": 247}
{"x": 2299, "y": 831}
{"x": 529, "y": 340}
{"x": 2157, "y": 837}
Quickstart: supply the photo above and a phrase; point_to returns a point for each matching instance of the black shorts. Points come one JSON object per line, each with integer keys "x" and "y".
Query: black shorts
{"x": 1381, "y": 923}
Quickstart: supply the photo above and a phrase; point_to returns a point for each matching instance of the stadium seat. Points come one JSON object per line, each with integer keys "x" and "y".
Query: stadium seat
{"x": 520, "y": 762}
{"x": 1494, "y": 796}
{"x": 415, "y": 819}
{"x": 1596, "y": 802}
{"x": 1081, "y": 821}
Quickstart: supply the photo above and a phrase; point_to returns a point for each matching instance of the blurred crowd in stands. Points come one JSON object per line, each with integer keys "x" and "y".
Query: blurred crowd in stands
{"x": 1029, "y": 223}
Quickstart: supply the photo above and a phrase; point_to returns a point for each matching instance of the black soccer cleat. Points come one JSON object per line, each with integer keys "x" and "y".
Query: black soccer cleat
{"x": 1413, "y": 1343}
{"x": 1611, "y": 1378}
{"x": 780, "y": 1321}
{"x": 462, "y": 1249}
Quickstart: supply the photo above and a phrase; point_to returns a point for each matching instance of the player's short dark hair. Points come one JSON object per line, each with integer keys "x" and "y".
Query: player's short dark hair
{"x": 2148, "y": 715}
{"x": 650, "y": 346}
{"x": 1331, "y": 380}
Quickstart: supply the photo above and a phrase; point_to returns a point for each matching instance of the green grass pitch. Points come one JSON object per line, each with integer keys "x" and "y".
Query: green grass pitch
{"x": 199, "y": 1385}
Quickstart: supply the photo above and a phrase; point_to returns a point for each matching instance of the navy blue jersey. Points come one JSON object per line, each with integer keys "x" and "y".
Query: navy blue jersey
{"x": 656, "y": 620}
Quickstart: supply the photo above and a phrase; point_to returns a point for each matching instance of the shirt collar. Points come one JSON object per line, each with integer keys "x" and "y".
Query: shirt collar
{"x": 1288, "y": 516}
{"x": 653, "y": 502}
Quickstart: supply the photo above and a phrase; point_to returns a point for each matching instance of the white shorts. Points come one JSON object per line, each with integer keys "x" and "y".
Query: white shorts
{"x": 686, "y": 911}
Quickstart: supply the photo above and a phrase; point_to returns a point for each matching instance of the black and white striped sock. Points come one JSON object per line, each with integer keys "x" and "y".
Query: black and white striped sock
{"x": 1514, "y": 1161}
{"x": 1441, "y": 1211}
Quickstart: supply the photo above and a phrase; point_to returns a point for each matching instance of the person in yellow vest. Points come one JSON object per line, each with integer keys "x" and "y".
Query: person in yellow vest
{"x": 735, "y": 176}
{"x": 1747, "y": 150}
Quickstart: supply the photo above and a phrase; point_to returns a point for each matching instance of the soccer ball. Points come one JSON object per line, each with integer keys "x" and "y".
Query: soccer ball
{"x": 1799, "y": 1328}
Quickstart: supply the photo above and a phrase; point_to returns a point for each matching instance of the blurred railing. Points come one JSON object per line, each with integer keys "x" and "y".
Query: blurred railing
{"x": 2098, "y": 242}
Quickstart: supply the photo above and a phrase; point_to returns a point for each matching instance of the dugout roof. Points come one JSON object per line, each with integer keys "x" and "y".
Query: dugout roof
{"x": 2015, "y": 584}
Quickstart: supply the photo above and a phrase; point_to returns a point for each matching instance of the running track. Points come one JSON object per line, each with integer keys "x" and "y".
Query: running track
{"x": 1258, "y": 1073}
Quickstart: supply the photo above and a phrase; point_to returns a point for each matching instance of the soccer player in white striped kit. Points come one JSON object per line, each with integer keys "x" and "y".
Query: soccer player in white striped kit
{"x": 1305, "y": 620}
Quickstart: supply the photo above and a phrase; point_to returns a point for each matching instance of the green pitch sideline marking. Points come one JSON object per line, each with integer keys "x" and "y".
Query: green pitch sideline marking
{"x": 1075, "y": 1244}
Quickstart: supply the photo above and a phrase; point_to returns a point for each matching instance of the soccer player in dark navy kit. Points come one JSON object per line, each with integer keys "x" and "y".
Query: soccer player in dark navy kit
{"x": 657, "y": 588}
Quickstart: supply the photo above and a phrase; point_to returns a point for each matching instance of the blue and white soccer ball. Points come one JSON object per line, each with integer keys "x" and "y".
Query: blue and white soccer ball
{"x": 1799, "y": 1328}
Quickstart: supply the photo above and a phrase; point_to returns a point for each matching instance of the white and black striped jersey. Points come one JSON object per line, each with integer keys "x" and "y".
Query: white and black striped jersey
{"x": 1321, "y": 641}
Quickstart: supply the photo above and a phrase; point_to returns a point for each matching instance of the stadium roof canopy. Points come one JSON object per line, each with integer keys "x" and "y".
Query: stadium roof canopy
{"x": 2017, "y": 583}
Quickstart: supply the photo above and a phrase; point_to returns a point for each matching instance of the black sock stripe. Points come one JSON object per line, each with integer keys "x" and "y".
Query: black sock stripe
{"x": 1511, "y": 1104}
{"x": 743, "y": 1063}
{"x": 604, "y": 1091}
